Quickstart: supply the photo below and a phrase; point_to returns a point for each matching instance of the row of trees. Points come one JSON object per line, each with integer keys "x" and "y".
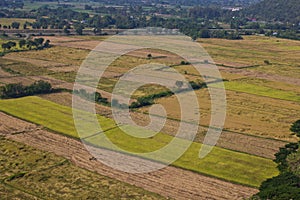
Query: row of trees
{"x": 14, "y": 25}
{"x": 16, "y": 90}
{"x": 37, "y": 43}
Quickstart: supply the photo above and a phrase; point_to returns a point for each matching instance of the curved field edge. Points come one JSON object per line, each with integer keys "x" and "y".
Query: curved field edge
{"x": 221, "y": 163}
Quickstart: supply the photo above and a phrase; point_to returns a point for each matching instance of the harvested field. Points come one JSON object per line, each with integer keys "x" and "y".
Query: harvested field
{"x": 169, "y": 182}
{"x": 17, "y": 67}
{"x": 282, "y": 54}
{"x": 56, "y": 40}
{"x": 12, "y": 125}
{"x": 81, "y": 44}
{"x": 230, "y": 140}
{"x": 56, "y": 55}
{"x": 46, "y": 113}
{"x": 41, "y": 62}
{"x": 34, "y": 174}
{"x": 17, "y": 79}
{"x": 262, "y": 75}
{"x": 4, "y": 73}
{"x": 246, "y": 113}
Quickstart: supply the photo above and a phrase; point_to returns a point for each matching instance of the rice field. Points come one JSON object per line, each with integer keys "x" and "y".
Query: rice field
{"x": 225, "y": 164}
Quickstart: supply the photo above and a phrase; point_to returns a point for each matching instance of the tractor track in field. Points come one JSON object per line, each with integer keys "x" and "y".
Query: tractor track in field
{"x": 170, "y": 181}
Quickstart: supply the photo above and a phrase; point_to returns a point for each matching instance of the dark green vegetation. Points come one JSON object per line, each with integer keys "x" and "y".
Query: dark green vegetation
{"x": 15, "y": 90}
{"x": 276, "y": 10}
{"x": 287, "y": 184}
{"x": 23, "y": 45}
{"x": 27, "y": 173}
{"x": 203, "y": 18}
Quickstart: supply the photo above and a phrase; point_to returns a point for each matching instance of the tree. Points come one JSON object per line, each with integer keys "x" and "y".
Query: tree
{"x": 66, "y": 31}
{"x": 12, "y": 44}
{"x": 8, "y": 45}
{"x": 295, "y": 128}
{"x": 5, "y": 46}
{"x": 204, "y": 33}
{"x": 149, "y": 56}
{"x": 22, "y": 43}
{"x": 30, "y": 44}
{"x": 79, "y": 29}
{"x": 39, "y": 41}
{"x": 15, "y": 25}
{"x": 47, "y": 44}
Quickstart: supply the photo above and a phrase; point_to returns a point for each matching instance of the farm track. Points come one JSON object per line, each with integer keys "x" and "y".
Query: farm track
{"x": 169, "y": 182}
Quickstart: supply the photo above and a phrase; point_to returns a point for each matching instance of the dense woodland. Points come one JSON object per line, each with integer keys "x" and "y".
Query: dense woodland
{"x": 196, "y": 20}
{"x": 276, "y": 10}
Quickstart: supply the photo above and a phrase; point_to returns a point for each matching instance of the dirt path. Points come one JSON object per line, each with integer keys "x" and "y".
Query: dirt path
{"x": 169, "y": 182}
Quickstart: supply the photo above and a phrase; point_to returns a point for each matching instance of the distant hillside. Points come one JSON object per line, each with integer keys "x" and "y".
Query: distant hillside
{"x": 276, "y": 10}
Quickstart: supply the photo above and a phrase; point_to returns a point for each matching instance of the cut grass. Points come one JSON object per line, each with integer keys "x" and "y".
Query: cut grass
{"x": 245, "y": 113}
{"x": 225, "y": 164}
{"x": 27, "y": 173}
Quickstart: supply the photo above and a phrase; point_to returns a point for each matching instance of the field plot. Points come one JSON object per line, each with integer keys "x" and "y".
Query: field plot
{"x": 283, "y": 55}
{"x": 50, "y": 115}
{"x": 246, "y": 113}
{"x": 241, "y": 86}
{"x": 62, "y": 56}
{"x": 12, "y": 125}
{"x": 250, "y": 144}
{"x": 59, "y": 118}
{"x": 30, "y": 174}
{"x": 185, "y": 185}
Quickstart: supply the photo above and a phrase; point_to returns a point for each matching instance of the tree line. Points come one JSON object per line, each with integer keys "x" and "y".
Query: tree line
{"x": 36, "y": 43}
{"x": 16, "y": 90}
